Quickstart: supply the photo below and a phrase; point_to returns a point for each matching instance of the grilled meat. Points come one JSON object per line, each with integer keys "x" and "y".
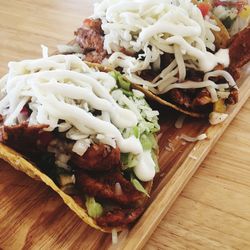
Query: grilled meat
{"x": 90, "y": 38}
{"x": 239, "y": 52}
{"x": 94, "y": 24}
{"x": 103, "y": 187}
{"x": 26, "y": 139}
{"x": 233, "y": 97}
{"x": 202, "y": 98}
{"x": 98, "y": 157}
{"x": 119, "y": 217}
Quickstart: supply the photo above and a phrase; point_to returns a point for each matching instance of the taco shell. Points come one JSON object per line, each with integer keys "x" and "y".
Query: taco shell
{"x": 19, "y": 162}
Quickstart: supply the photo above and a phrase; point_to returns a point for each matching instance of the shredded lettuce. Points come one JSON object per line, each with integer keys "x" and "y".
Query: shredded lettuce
{"x": 124, "y": 159}
{"x": 148, "y": 142}
{"x": 144, "y": 130}
{"x": 155, "y": 159}
{"x": 136, "y": 132}
{"x": 128, "y": 160}
{"x": 127, "y": 92}
{"x": 138, "y": 186}
{"x": 94, "y": 208}
{"x": 122, "y": 83}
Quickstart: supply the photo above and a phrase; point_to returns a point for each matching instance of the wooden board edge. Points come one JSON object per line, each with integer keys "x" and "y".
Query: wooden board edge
{"x": 141, "y": 232}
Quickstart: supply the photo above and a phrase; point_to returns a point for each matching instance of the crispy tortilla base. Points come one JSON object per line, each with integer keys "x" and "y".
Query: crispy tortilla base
{"x": 19, "y": 162}
{"x": 149, "y": 94}
{"x": 158, "y": 99}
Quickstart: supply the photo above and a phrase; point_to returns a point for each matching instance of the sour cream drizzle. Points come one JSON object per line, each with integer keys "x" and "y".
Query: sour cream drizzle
{"x": 64, "y": 88}
{"x": 150, "y": 29}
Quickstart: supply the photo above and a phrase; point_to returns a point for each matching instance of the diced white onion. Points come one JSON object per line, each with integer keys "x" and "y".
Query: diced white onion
{"x": 138, "y": 93}
{"x": 73, "y": 178}
{"x": 216, "y": 118}
{"x": 118, "y": 189}
{"x": 62, "y": 165}
{"x": 63, "y": 158}
{"x": 63, "y": 127}
{"x": 81, "y": 146}
{"x": 114, "y": 236}
{"x": 223, "y": 94}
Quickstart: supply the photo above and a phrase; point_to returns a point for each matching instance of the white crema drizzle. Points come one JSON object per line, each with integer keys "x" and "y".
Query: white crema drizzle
{"x": 152, "y": 28}
{"x": 63, "y": 88}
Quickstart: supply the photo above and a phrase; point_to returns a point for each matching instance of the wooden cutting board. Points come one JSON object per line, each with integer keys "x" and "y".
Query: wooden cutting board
{"x": 34, "y": 217}
{"x": 40, "y": 220}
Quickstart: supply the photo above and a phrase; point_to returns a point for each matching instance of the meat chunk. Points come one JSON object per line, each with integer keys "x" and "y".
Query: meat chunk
{"x": 119, "y": 217}
{"x": 239, "y": 52}
{"x": 95, "y": 57}
{"x": 26, "y": 139}
{"x": 178, "y": 96}
{"x": 94, "y": 24}
{"x": 98, "y": 157}
{"x": 233, "y": 97}
{"x": 194, "y": 75}
{"x": 202, "y": 98}
{"x": 103, "y": 187}
{"x": 91, "y": 38}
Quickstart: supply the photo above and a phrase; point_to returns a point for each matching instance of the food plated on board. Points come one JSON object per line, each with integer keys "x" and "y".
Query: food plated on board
{"x": 84, "y": 132}
{"x": 175, "y": 52}
{"x": 86, "y": 129}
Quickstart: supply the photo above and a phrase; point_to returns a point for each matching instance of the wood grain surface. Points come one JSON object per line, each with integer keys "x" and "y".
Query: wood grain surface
{"x": 213, "y": 211}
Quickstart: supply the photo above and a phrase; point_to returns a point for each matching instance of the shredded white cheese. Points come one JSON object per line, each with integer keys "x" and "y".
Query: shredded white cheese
{"x": 150, "y": 28}
{"x": 64, "y": 93}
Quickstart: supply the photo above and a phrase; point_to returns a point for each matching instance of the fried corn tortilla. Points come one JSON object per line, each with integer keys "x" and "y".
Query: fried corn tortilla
{"x": 14, "y": 128}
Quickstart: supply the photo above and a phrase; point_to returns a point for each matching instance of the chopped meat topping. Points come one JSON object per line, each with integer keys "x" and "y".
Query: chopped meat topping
{"x": 90, "y": 38}
{"x": 94, "y": 24}
{"x": 180, "y": 97}
{"x": 233, "y": 97}
{"x": 202, "y": 98}
{"x": 98, "y": 157}
{"x": 95, "y": 57}
{"x": 103, "y": 187}
{"x": 24, "y": 138}
{"x": 119, "y": 217}
{"x": 239, "y": 52}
